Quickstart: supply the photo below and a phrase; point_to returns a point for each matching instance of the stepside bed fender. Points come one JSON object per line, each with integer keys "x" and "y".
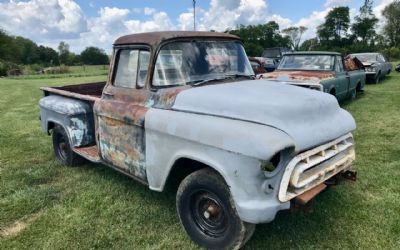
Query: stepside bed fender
{"x": 75, "y": 116}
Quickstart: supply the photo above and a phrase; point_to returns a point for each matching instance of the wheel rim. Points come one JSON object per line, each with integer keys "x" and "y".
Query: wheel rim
{"x": 208, "y": 213}
{"x": 62, "y": 147}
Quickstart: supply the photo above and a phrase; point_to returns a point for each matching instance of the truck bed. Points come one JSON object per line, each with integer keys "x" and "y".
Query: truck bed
{"x": 86, "y": 91}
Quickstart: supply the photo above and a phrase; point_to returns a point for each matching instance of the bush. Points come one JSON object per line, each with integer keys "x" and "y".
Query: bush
{"x": 9, "y": 69}
{"x": 392, "y": 53}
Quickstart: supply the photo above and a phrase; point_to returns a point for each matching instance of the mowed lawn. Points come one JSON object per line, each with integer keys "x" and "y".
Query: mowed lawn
{"x": 44, "y": 205}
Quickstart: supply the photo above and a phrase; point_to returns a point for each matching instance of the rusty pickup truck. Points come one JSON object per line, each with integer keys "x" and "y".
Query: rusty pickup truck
{"x": 185, "y": 106}
{"x": 325, "y": 71}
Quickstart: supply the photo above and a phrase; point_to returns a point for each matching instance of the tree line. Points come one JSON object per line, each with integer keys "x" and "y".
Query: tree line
{"x": 336, "y": 33}
{"x": 16, "y": 51}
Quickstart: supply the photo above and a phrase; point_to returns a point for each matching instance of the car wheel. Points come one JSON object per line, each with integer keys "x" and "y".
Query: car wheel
{"x": 353, "y": 94}
{"x": 377, "y": 78}
{"x": 208, "y": 214}
{"x": 63, "y": 150}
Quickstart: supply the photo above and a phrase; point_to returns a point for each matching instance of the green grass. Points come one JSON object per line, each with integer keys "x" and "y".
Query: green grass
{"x": 95, "y": 207}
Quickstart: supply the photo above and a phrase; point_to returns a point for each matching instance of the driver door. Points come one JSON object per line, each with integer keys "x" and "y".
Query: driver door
{"x": 121, "y": 111}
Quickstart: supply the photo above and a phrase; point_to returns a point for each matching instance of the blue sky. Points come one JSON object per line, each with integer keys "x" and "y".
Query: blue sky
{"x": 100, "y": 22}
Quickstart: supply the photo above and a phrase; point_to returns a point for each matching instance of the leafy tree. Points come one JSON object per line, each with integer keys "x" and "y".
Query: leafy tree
{"x": 94, "y": 56}
{"x": 63, "y": 52}
{"x": 335, "y": 27}
{"x": 309, "y": 44}
{"x": 256, "y": 38}
{"x": 392, "y": 25}
{"x": 294, "y": 34}
{"x": 47, "y": 56}
{"x": 364, "y": 26}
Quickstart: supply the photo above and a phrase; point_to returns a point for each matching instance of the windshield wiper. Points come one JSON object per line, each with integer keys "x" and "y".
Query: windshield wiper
{"x": 239, "y": 75}
{"x": 201, "y": 82}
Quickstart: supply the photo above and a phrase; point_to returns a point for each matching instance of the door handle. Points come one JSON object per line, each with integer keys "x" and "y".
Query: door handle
{"x": 108, "y": 93}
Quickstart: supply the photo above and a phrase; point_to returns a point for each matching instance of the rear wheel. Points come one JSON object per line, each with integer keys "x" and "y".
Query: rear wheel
{"x": 208, "y": 214}
{"x": 63, "y": 150}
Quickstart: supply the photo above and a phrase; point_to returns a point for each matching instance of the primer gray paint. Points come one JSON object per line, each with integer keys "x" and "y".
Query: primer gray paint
{"x": 305, "y": 115}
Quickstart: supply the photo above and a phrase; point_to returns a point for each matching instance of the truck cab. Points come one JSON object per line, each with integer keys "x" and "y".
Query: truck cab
{"x": 186, "y": 105}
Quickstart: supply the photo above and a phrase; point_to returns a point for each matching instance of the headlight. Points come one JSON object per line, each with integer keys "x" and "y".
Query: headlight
{"x": 272, "y": 164}
{"x": 371, "y": 69}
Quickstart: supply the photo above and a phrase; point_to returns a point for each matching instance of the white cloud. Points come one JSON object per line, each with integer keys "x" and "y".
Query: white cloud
{"x": 282, "y": 21}
{"x": 335, "y": 3}
{"x": 50, "y": 21}
{"x": 312, "y": 22}
{"x": 32, "y": 19}
{"x": 149, "y": 11}
{"x": 227, "y": 14}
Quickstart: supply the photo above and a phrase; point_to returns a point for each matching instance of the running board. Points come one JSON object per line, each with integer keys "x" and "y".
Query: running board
{"x": 91, "y": 153}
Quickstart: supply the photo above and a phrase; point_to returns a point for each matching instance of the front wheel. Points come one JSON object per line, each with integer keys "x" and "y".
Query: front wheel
{"x": 208, "y": 214}
{"x": 377, "y": 78}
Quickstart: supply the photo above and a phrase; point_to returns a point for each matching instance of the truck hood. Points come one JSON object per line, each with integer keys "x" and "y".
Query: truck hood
{"x": 298, "y": 76}
{"x": 309, "y": 117}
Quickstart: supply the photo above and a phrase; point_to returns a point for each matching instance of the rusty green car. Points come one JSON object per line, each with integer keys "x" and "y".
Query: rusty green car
{"x": 324, "y": 71}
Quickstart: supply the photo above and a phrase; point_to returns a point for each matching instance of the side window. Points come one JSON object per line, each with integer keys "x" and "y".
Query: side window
{"x": 339, "y": 64}
{"x": 131, "y": 68}
{"x": 144, "y": 60}
{"x": 127, "y": 69}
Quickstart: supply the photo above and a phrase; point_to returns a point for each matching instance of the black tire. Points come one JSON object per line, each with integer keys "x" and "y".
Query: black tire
{"x": 353, "y": 94}
{"x": 208, "y": 214}
{"x": 377, "y": 78}
{"x": 63, "y": 150}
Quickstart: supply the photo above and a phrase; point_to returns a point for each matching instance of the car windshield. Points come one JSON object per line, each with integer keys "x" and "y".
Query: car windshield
{"x": 183, "y": 63}
{"x": 366, "y": 57}
{"x": 307, "y": 62}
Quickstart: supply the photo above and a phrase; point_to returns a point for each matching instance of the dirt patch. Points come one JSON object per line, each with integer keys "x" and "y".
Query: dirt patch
{"x": 19, "y": 225}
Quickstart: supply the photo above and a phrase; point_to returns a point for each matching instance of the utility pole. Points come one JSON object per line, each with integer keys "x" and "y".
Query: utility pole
{"x": 194, "y": 15}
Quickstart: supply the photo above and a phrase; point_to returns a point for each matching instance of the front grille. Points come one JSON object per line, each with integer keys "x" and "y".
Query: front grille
{"x": 312, "y": 167}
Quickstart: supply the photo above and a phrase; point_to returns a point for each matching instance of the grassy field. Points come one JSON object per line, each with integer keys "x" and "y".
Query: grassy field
{"x": 73, "y": 71}
{"x": 46, "y": 206}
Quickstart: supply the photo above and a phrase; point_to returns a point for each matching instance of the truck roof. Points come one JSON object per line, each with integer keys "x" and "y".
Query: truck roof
{"x": 313, "y": 53}
{"x": 155, "y": 38}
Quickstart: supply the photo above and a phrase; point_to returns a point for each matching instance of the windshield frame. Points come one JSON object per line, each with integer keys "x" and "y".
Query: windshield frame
{"x": 183, "y": 40}
{"x": 300, "y": 69}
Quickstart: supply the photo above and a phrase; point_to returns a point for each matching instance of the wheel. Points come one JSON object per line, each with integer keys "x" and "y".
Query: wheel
{"x": 63, "y": 150}
{"x": 353, "y": 94}
{"x": 377, "y": 78}
{"x": 208, "y": 214}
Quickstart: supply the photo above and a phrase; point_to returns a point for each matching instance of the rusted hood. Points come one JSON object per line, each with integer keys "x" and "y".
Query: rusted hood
{"x": 298, "y": 76}
{"x": 309, "y": 117}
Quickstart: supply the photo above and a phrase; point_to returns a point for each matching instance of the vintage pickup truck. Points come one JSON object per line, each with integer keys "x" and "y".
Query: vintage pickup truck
{"x": 325, "y": 71}
{"x": 185, "y": 106}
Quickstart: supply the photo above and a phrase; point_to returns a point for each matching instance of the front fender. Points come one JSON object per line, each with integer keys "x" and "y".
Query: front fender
{"x": 233, "y": 148}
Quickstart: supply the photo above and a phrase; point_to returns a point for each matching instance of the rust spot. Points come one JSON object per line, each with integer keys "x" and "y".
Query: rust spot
{"x": 308, "y": 76}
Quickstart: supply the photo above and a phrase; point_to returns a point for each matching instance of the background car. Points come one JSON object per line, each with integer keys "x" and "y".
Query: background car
{"x": 272, "y": 57}
{"x": 375, "y": 64}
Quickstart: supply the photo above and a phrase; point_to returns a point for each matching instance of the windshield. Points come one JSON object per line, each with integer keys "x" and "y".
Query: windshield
{"x": 366, "y": 57}
{"x": 181, "y": 63}
{"x": 307, "y": 62}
